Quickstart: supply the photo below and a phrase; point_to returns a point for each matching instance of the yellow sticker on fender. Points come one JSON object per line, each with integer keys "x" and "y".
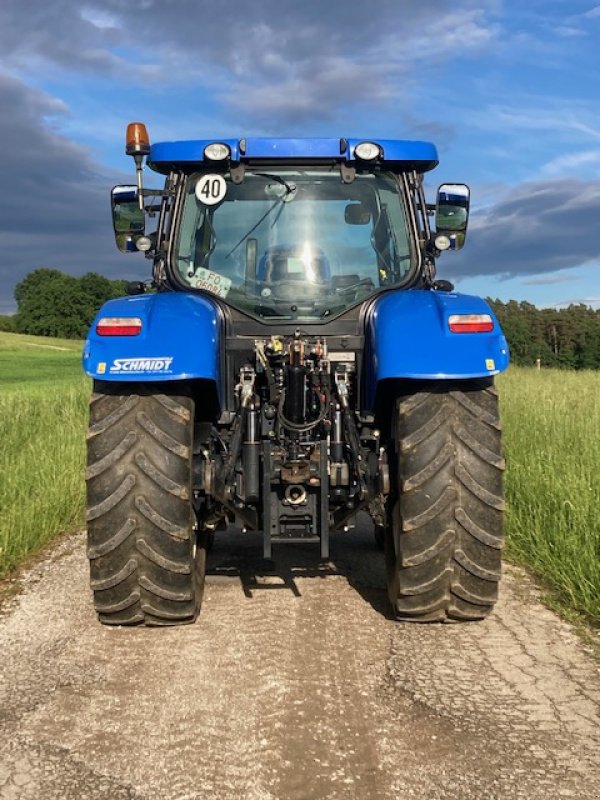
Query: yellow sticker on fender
{"x": 490, "y": 363}
{"x": 101, "y": 368}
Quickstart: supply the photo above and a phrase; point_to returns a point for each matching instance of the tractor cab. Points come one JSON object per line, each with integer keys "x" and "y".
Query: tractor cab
{"x": 289, "y": 229}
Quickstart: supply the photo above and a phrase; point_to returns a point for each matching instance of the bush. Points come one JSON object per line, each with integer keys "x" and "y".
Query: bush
{"x": 51, "y": 303}
{"x": 8, "y": 323}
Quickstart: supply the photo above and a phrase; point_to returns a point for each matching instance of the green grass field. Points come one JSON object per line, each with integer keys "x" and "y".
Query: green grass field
{"x": 27, "y": 361}
{"x": 43, "y": 415}
{"x": 551, "y": 423}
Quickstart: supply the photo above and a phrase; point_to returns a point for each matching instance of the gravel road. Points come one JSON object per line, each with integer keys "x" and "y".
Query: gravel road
{"x": 294, "y": 683}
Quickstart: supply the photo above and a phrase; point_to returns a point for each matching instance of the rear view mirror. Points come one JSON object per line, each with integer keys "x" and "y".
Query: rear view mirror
{"x": 357, "y": 214}
{"x": 452, "y": 212}
{"x": 128, "y": 218}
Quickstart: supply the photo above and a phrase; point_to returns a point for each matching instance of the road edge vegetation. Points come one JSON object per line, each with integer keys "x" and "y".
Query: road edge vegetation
{"x": 43, "y": 417}
{"x": 551, "y": 426}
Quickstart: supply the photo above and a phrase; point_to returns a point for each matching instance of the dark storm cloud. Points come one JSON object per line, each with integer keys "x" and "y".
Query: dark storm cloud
{"x": 539, "y": 228}
{"x": 32, "y": 32}
{"x": 294, "y": 61}
{"x": 54, "y": 207}
{"x": 259, "y": 35}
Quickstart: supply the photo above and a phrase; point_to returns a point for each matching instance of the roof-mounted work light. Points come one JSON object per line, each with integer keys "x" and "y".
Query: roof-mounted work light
{"x": 217, "y": 151}
{"x": 137, "y": 144}
{"x": 367, "y": 151}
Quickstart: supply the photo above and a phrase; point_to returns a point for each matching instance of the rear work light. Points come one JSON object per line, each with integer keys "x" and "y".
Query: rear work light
{"x": 470, "y": 323}
{"x": 216, "y": 151}
{"x": 119, "y": 326}
{"x": 367, "y": 151}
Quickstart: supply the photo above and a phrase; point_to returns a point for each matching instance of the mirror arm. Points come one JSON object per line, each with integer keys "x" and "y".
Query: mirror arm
{"x": 158, "y": 192}
{"x": 153, "y": 208}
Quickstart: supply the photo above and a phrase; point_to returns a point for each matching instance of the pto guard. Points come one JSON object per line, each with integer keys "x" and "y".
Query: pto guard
{"x": 179, "y": 340}
{"x": 408, "y": 336}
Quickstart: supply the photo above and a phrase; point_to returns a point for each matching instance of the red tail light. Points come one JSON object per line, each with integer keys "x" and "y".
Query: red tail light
{"x": 470, "y": 323}
{"x": 119, "y": 326}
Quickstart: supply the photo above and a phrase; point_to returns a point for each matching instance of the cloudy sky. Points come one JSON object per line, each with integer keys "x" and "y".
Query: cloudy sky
{"x": 508, "y": 90}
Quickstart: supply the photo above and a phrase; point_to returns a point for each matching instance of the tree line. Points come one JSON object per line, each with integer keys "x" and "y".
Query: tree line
{"x": 560, "y": 337}
{"x": 51, "y": 303}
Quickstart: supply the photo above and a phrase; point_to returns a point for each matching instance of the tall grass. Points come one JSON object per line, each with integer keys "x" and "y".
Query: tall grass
{"x": 43, "y": 415}
{"x": 551, "y": 421}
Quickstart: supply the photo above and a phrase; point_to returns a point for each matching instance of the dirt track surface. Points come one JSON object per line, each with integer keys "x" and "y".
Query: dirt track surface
{"x": 293, "y": 684}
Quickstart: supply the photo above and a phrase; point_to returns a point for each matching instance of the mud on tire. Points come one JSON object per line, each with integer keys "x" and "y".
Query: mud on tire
{"x": 146, "y": 564}
{"x": 443, "y": 547}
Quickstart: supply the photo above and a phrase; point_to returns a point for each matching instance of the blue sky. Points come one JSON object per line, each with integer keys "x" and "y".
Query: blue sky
{"x": 508, "y": 91}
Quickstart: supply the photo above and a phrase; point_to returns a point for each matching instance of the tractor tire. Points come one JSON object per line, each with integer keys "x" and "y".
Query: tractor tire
{"x": 443, "y": 547}
{"x": 147, "y": 562}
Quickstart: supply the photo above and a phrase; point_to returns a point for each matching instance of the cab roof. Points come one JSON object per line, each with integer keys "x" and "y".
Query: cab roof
{"x": 396, "y": 154}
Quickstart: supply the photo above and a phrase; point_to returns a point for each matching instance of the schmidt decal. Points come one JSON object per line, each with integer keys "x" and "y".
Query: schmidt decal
{"x": 141, "y": 365}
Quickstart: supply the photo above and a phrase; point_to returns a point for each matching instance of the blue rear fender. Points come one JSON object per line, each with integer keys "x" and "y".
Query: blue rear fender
{"x": 408, "y": 336}
{"x": 179, "y": 340}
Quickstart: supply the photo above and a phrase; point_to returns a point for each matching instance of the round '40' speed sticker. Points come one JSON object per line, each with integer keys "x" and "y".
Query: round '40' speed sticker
{"x": 211, "y": 189}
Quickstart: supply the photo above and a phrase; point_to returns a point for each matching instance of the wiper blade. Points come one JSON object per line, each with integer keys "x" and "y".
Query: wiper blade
{"x": 290, "y": 189}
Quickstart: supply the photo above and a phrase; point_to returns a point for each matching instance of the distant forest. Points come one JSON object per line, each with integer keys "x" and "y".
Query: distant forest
{"x": 564, "y": 337}
{"x": 51, "y": 303}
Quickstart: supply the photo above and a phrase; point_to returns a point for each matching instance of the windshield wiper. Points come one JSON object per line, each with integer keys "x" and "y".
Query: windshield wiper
{"x": 290, "y": 189}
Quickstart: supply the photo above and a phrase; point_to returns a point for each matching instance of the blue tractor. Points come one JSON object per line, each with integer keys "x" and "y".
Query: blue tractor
{"x": 292, "y": 362}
